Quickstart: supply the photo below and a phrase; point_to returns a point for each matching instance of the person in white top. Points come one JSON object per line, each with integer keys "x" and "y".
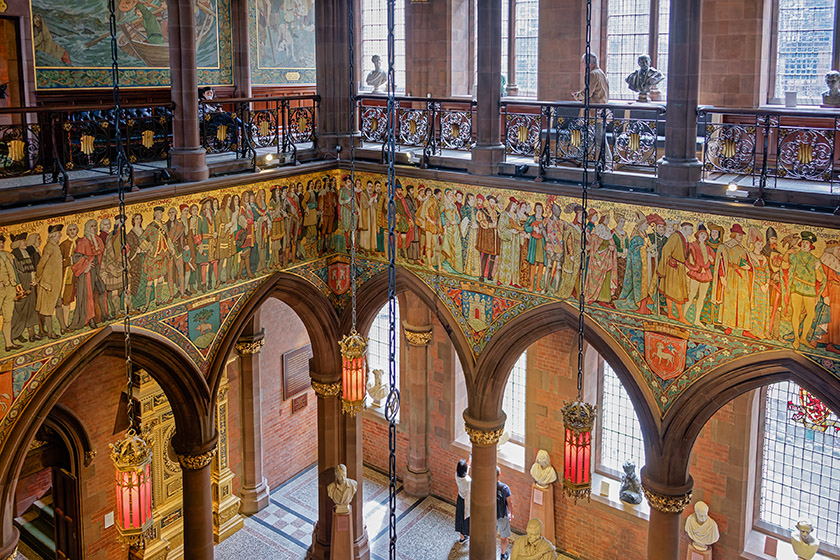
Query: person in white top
{"x": 462, "y": 506}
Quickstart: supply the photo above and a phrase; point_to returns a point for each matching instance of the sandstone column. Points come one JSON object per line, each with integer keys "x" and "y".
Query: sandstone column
{"x": 241, "y": 48}
{"x": 418, "y": 334}
{"x": 329, "y": 447}
{"x": 198, "y": 503}
{"x": 666, "y": 504}
{"x": 680, "y": 170}
{"x": 484, "y": 437}
{"x": 332, "y": 72}
{"x": 255, "y": 491}
{"x": 187, "y": 154}
{"x": 488, "y": 151}
{"x": 353, "y": 460}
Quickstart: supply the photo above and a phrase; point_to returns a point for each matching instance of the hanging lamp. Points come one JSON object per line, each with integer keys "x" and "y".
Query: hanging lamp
{"x": 353, "y": 346}
{"x": 578, "y": 415}
{"x": 132, "y": 455}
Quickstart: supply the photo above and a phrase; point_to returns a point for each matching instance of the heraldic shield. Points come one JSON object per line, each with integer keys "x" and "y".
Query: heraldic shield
{"x": 665, "y": 349}
{"x": 338, "y": 277}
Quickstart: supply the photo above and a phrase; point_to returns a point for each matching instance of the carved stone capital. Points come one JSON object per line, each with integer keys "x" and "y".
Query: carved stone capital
{"x": 666, "y": 503}
{"x": 484, "y": 437}
{"x": 417, "y": 337}
{"x": 248, "y": 345}
{"x": 196, "y": 462}
{"x": 326, "y": 390}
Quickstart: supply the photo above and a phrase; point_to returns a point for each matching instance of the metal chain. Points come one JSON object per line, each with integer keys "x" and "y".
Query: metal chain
{"x": 584, "y": 196}
{"x": 124, "y": 174}
{"x": 394, "y": 395}
{"x": 351, "y": 25}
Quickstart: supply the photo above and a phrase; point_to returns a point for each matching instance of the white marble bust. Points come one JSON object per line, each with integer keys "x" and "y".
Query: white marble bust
{"x": 376, "y": 78}
{"x": 376, "y": 389}
{"x": 532, "y": 545}
{"x": 542, "y": 471}
{"x": 342, "y": 490}
{"x": 701, "y": 528}
{"x": 803, "y": 540}
{"x": 831, "y": 98}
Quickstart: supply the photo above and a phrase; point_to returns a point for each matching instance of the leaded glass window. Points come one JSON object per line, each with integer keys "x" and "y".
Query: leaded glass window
{"x": 375, "y": 39}
{"x": 621, "y": 433}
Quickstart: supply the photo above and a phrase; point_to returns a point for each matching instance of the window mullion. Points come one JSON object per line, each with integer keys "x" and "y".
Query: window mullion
{"x": 653, "y": 33}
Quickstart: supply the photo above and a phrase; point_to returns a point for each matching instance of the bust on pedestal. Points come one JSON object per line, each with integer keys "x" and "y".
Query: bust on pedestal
{"x": 377, "y": 390}
{"x": 376, "y": 78}
{"x": 644, "y": 79}
{"x": 542, "y": 494}
{"x": 342, "y": 492}
{"x": 803, "y": 540}
{"x": 630, "y": 491}
{"x": 831, "y": 98}
{"x": 533, "y": 545}
{"x": 703, "y": 532}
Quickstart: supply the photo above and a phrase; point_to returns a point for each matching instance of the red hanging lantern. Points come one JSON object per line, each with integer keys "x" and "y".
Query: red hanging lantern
{"x": 353, "y": 372}
{"x": 578, "y": 418}
{"x": 132, "y": 459}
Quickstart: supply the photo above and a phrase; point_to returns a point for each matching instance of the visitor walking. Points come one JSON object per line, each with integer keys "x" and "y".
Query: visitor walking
{"x": 504, "y": 513}
{"x": 462, "y": 506}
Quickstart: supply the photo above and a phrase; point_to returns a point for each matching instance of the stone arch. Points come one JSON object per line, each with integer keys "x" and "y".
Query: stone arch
{"x": 182, "y": 383}
{"x": 73, "y": 433}
{"x": 373, "y": 294}
{"x": 690, "y": 413}
{"x": 502, "y": 351}
{"x": 315, "y": 311}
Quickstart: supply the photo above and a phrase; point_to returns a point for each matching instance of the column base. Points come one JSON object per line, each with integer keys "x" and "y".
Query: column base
{"x": 254, "y": 499}
{"x": 417, "y": 484}
{"x": 361, "y": 548}
{"x": 317, "y": 550}
{"x": 486, "y": 159}
{"x": 8, "y": 551}
{"x": 190, "y": 164}
{"x": 679, "y": 177}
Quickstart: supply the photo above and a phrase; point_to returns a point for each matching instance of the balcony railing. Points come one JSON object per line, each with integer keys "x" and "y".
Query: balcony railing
{"x": 243, "y": 126}
{"x": 772, "y": 148}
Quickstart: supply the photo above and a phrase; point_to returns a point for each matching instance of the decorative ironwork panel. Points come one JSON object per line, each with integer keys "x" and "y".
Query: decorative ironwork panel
{"x": 522, "y": 134}
{"x": 301, "y": 126}
{"x": 87, "y": 142}
{"x": 730, "y": 148}
{"x": 374, "y": 124}
{"x": 456, "y": 130}
{"x": 413, "y": 127}
{"x": 805, "y": 153}
{"x": 263, "y": 124}
{"x": 220, "y": 131}
{"x": 568, "y": 136}
{"x": 634, "y": 142}
{"x": 20, "y": 150}
{"x": 148, "y": 138}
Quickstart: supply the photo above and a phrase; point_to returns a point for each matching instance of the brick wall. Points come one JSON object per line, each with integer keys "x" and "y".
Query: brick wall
{"x": 718, "y": 463}
{"x": 290, "y": 441}
{"x": 31, "y": 488}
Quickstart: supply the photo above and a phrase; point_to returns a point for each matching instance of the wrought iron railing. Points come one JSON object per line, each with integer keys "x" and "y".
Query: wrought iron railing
{"x": 434, "y": 124}
{"x": 626, "y": 136}
{"x": 284, "y": 124}
{"x": 774, "y": 147}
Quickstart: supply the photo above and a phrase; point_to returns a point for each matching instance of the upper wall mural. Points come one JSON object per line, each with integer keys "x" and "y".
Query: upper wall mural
{"x": 72, "y": 46}
{"x": 282, "y": 42}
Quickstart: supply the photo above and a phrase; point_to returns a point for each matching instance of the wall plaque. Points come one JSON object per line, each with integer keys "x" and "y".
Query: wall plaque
{"x": 296, "y": 371}
{"x": 299, "y": 402}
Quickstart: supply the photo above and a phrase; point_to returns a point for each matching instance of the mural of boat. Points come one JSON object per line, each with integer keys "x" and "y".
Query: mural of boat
{"x": 133, "y": 42}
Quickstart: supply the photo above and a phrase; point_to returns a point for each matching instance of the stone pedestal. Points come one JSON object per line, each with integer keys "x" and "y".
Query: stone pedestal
{"x": 692, "y": 553}
{"x": 542, "y": 508}
{"x": 342, "y": 536}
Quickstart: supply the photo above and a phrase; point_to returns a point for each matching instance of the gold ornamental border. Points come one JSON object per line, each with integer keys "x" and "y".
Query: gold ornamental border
{"x": 665, "y": 503}
{"x": 482, "y": 437}
{"x": 326, "y": 390}
{"x": 418, "y": 338}
{"x": 249, "y": 347}
{"x": 196, "y": 462}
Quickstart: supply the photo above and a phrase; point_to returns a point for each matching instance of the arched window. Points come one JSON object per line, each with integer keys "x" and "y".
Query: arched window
{"x": 514, "y": 401}
{"x": 800, "y": 465}
{"x": 804, "y": 48}
{"x": 621, "y": 434}
{"x": 375, "y": 39}
{"x": 378, "y": 344}
{"x": 635, "y": 27}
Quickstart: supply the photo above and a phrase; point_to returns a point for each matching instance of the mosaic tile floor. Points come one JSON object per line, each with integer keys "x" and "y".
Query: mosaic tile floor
{"x": 283, "y": 530}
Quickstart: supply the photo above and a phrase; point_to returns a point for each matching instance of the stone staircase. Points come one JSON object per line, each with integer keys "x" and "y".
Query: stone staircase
{"x": 37, "y": 527}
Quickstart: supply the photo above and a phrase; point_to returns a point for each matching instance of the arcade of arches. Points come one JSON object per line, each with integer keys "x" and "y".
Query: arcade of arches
{"x": 712, "y": 328}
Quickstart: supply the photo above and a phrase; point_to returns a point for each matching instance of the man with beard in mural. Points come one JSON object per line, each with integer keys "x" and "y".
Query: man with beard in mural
{"x": 8, "y": 284}
{"x": 293, "y": 219}
{"x": 206, "y": 254}
{"x": 554, "y": 227}
{"x": 774, "y": 263}
{"x": 430, "y": 216}
{"x": 159, "y": 252}
{"x": 278, "y": 226}
{"x": 451, "y": 249}
{"x": 175, "y": 229}
{"x": 193, "y": 239}
{"x": 633, "y": 294}
{"x": 111, "y": 270}
{"x": 656, "y": 242}
{"x": 381, "y": 218}
{"x": 413, "y": 252}
{"x": 48, "y": 280}
{"x": 68, "y": 293}
{"x": 86, "y": 270}
{"x": 345, "y": 210}
{"x": 25, "y": 318}
{"x": 672, "y": 271}
{"x": 601, "y": 281}
{"x": 327, "y": 206}
{"x": 403, "y": 220}
{"x": 805, "y": 275}
{"x": 487, "y": 241}
{"x": 732, "y": 285}
{"x": 571, "y": 260}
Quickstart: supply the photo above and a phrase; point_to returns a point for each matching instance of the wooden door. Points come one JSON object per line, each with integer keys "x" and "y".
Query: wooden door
{"x": 67, "y": 522}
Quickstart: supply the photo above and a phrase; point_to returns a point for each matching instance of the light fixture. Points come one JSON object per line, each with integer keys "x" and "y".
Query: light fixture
{"x": 732, "y": 186}
{"x": 269, "y": 157}
{"x": 353, "y": 372}
{"x": 132, "y": 459}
